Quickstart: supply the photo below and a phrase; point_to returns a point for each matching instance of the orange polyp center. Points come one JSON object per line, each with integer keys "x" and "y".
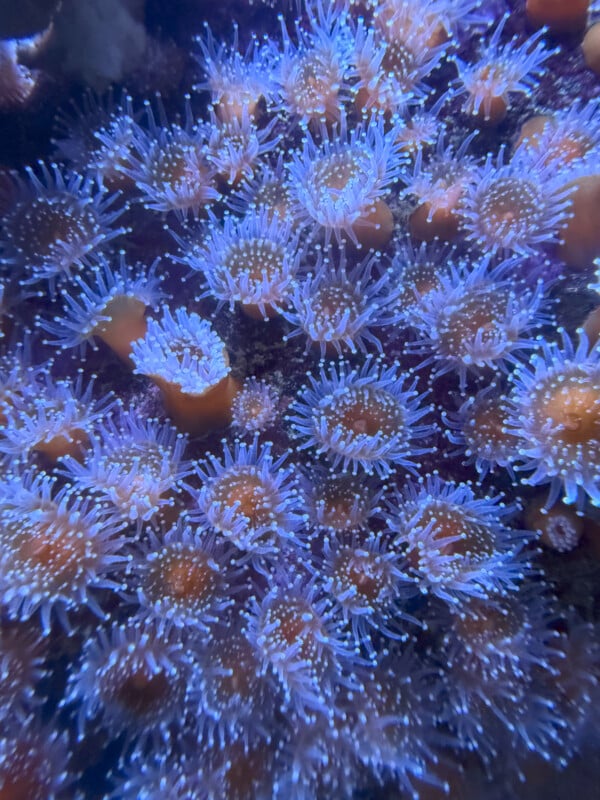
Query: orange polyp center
{"x": 482, "y": 312}
{"x": 260, "y": 259}
{"x": 368, "y": 413}
{"x": 57, "y": 547}
{"x": 297, "y": 623}
{"x": 507, "y": 201}
{"x": 142, "y": 691}
{"x": 234, "y": 103}
{"x": 245, "y": 769}
{"x": 186, "y": 576}
{"x": 248, "y": 492}
{"x": 337, "y": 172}
{"x": 398, "y": 60}
{"x": 330, "y": 305}
{"x": 339, "y": 501}
{"x": 571, "y": 148}
{"x": 448, "y": 522}
{"x": 576, "y": 410}
{"x": 42, "y": 224}
{"x": 171, "y": 167}
{"x": 361, "y": 572}
{"x": 315, "y": 90}
{"x": 488, "y": 424}
{"x": 183, "y": 167}
{"x": 236, "y": 657}
{"x": 488, "y": 624}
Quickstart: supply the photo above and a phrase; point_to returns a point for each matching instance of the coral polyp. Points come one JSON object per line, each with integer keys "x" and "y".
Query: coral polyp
{"x": 361, "y": 418}
{"x": 56, "y": 549}
{"x": 235, "y": 697}
{"x": 59, "y": 219}
{"x": 110, "y": 307}
{"x": 476, "y": 320}
{"x": 457, "y": 544}
{"x": 338, "y": 308}
{"x": 51, "y": 418}
{"x": 312, "y": 77}
{"x": 237, "y": 82}
{"x": 395, "y": 717}
{"x": 187, "y": 359}
{"x": 503, "y": 71}
{"x": 293, "y": 631}
{"x": 251, "y": 498}
{"x": 252, "y": 261}
{"x": 364, "y": 574}
{"x": 515, "y": 207}
{"x": 133, "y": 679}
{"x": 409, "y": 46}
{"x": 563, "y": 137}
{"x": 341, "y": 183}
{"x": 439, "y": 186}
{"x": 341, "y": 502}
{"x": 170, "y": 167}
{"x": 22, "y": 655}
{"x": 236, "y": 148}
{"x": 182, "y": 578}
{"x": 255, "y": 406}
{"x": 555, "y": 415}
{"x": 480, "y": 429}
{"x": 134, "y": 465}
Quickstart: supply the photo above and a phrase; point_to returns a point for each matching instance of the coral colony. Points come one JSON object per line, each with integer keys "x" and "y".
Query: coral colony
{"x": 300, "y": 418}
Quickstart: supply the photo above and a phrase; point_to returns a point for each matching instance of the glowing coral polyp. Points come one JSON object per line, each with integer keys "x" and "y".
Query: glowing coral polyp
{"x": 338, "y": 307}
{"x": 341, "y": 183}
{"x": 190, "y": 364}
{"x": 292, "y": 629}
{"x": 255, "y": 406}
{"x": 134, "y": 680}
{"x": 252, "y": 261}
{"x": 502, "y": 71}
{"x": 58, "y": 220}
{"x": 251, "y": 498}
{"x": 456, "y": 543}
{"x": 476, "y": 320}
{"x": 312, "y": 77}
{"x": 555, "y": 415}
{"x": 170, "y": 166}
{"x": 237, "y": 82}
{"x": 55, "y": 548}
{"x": 182, "y": 578}
{"x": 134, "y": 464}
{"x": 364, "y": 573}
{"x": 361, "y": 418}
{"x": 54, "y": 419}
{"x": 111, "y": 307}
{"x": 516, "y": 207}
